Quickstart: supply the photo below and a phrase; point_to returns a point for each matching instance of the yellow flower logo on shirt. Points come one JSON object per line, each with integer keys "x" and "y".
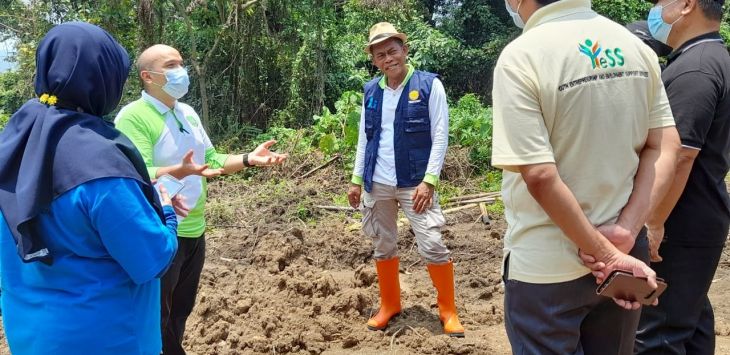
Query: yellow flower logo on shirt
{"x": 413, "y": 95}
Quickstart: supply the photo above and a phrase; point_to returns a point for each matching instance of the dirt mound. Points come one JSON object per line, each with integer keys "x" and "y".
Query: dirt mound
{"x": 284, "y": 277}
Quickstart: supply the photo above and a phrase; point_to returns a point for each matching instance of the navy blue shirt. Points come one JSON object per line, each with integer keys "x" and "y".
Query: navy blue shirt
{"x": 697, "y": 80}
{"x": 102, "y": 293}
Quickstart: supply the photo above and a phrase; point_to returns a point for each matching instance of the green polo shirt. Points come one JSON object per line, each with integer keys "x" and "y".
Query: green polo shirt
{"x": 163, "y": 136}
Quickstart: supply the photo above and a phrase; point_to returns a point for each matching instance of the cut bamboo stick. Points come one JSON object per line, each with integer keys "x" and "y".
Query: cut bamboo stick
{"x": 474, "y": 196}
{"x": 326, "y": 164}
{"x": 476, "y": 200}
{"x": 485, "y": 214}
{"x": 460, "y": 208}
{"x": 335, "y": 208}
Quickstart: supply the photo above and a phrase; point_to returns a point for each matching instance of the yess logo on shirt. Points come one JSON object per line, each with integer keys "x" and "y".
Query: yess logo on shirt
{"x": 610, "y": 58}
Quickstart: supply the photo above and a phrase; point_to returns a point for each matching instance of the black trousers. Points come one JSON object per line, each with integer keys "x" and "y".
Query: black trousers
{"x": 683, "y": 322}
{"x": 569, "y": 317}
{"x": 179, "y": 289}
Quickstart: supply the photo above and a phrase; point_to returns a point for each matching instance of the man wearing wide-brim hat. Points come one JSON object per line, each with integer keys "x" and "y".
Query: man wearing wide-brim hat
{"x": 403, "y": 138}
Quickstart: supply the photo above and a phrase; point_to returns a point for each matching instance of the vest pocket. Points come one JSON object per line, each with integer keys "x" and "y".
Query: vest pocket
{"x": 418, "y": 159}
{"x": 416, "y": 125}
{"x": 417, "y": 119}
{"x": 369, "y": 123}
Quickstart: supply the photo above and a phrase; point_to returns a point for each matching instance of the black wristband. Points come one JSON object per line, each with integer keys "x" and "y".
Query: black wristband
{"x": 245, "y": 161}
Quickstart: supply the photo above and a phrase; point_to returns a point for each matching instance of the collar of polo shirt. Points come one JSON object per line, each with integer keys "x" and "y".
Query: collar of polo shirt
{"x": 556, "y": 10}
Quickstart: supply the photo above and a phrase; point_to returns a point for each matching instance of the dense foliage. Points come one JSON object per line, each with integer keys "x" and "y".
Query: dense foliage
{"x": 271, "y": 67}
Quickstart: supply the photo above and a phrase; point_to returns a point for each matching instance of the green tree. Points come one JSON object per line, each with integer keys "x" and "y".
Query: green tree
{"x": 622, "y": 11}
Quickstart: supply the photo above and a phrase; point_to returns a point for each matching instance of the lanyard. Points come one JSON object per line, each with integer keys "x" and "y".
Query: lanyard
{"x": 179, "y": 124}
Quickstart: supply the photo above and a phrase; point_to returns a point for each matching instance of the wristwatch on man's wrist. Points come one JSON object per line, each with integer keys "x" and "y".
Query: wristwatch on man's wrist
{"x": 245, "y": 161}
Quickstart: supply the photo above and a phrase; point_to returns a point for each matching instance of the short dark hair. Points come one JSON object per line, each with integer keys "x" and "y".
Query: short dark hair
{"x": 711, "y": 8}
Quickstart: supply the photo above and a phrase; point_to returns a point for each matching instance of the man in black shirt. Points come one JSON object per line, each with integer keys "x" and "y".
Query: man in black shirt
{"x": 641, "y": 30}
{"x": 690, "y": 226}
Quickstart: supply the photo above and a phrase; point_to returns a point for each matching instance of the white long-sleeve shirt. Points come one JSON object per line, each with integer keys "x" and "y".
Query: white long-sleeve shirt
{"x": 438, "y": 111}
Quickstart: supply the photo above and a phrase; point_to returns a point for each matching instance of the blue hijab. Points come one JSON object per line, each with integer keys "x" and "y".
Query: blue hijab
{"x": 50, "y": 147}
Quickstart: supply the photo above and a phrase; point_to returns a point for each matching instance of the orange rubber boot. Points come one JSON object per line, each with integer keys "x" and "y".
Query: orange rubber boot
{"x": 389, "y": 293}
{"x": 442, "y": 276}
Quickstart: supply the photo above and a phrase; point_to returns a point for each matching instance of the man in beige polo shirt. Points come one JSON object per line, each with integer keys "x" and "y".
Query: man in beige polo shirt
{"x": 586, "y": 138}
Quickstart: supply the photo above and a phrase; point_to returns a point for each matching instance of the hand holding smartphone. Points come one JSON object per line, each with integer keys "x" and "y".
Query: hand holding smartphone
{"x": 172, "y": 185}
{"x": 625, "y": 286}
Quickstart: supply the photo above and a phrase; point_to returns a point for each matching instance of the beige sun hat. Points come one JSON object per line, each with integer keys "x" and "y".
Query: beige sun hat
{"x": 382, "y": 31}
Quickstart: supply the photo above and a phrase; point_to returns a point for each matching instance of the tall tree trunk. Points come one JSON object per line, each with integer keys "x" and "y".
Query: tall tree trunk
{"x": 202, "y": 84}
{"x": 146, "y": 20}
{"x": 199, "y": 65}
{"x": 321, "y": 65}
{"x": 199, "y": 69}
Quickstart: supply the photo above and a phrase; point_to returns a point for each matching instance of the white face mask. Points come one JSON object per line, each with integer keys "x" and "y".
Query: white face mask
{"x": 177, "y": 82}
{"x": 515, "y": 14}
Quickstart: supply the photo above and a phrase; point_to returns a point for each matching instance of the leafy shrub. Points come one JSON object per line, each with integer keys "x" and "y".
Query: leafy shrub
{"x": 622, "y": 11}
{"x": 471, "y": 126}
{"x": 4, "y": 117}
{"x": 338, "y": 132}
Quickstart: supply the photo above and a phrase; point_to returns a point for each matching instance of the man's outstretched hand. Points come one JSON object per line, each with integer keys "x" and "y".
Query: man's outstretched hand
{"x": 262, "y": 156}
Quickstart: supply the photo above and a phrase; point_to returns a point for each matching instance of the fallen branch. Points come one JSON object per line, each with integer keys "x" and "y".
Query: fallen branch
{"x": 392, "y": 339}
{"x": 417, "y": 333}
{"x": 485, "y": 214}
{"x": 406, "y": 271}
{"x": 335, "y": 208}
{"x": 407, "y": 222}
{"x": 460, "y": 208}
{"x": 466, "y": 202}
{"x": 326, "y": 164}
{"x": 227, "y": 226}
{"x": 473, "y": 196}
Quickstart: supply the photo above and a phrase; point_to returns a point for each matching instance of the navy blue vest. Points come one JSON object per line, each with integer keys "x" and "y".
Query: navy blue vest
{"x": 411, "y": 129}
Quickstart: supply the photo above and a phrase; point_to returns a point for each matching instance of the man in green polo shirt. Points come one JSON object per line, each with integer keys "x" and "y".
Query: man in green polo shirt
{"x": 172, "y": 140}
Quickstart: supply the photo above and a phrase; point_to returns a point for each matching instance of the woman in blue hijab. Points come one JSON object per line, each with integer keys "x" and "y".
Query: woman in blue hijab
{"x": 83, "y": 236}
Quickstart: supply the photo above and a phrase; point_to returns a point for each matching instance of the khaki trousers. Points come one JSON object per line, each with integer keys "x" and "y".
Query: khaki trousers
{"x": 380, "y": 214}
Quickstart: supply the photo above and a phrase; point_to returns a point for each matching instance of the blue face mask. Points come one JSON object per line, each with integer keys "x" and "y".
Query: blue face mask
{"x": 657, "y": 27}
{"x": 177, "y": 82}
{"x": 515, "y": 14}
